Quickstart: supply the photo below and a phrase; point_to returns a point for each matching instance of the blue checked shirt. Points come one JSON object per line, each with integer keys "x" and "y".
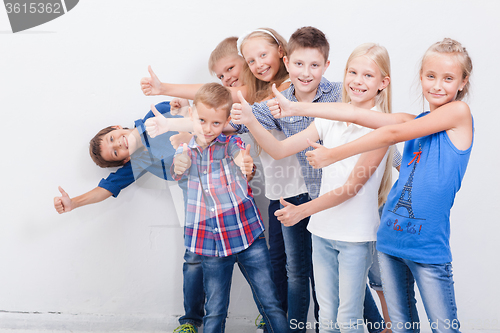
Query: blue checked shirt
{"x": 221, "y": 216}
{"x": 327, "y": 92}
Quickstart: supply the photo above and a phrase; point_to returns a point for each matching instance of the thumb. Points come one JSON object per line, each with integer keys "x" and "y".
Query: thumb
{"x": 150, "y": 70}
{"x": 284, "y": 203}
{"x": 246, "y": 152}
{"x": 155, "y": 112}
{"x": 64, "y": 194}
{"x": 242, "y": 99}
{"x": 276, "y": 91}
{"x": 313, "y": 144}
{"x": 185, "y": 149}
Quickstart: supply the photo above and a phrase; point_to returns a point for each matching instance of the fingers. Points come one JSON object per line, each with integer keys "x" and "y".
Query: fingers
{"x": 284, "y": 203}
{"x": 150, "y": 70}
{"x": 185, "y": 149}
{"x": 246, "y": 152}
{"x": 275, "y": 90}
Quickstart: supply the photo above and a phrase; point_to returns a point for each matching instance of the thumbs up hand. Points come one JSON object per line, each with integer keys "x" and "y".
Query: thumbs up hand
{"x": 319, "y": 157}
{"x": 290, "y": 214}
{"x": 242, "y": 112}
{"x": 182, "y": 161}
{"x": 63, "y": 204}
{"x": 151, "y": 85}
{"x": 246, "y": 161}
{"x": 156, "y": 125}
{"x": 280, "y": 106}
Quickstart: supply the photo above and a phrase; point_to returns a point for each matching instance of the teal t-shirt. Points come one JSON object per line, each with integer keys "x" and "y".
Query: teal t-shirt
{"x": 415, "y": 223}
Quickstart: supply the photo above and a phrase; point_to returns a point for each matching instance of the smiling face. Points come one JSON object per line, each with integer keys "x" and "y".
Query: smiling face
{"x": 228, "y": 70}
{"x": 208, "y": 123}
{"x": 263, "y": 59}
{"x": 117, "y": 145}
{"x": 441, "y": 77}
{"x": 363, "y": 80}
{"x": 306, "y": 67}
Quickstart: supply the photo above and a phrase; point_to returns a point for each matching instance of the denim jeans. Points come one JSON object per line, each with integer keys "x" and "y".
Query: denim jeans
{"x": 298, "y": 248}
{"x": 374, "y": 321}
{"x": 277, "y": 254}
{"x": 194, "y": 296}
{"x": 340, "y": 271}
{"x": 435, "y": 283}
{"x": 255, "y": 264}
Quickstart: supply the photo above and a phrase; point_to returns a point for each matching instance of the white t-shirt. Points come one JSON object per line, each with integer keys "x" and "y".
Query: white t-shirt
{"x": 357, "y": 219}
{"x": 283, "y": 177}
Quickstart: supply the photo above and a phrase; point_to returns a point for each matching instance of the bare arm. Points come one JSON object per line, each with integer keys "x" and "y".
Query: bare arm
{"x": 281, "y": 107}
{"x": 242, "y": 114}
{"x": 152, "y": 86}
{"x": 64, "y": 203}
{"x": 362, "y": 171}
{"x": 454, "y": 117}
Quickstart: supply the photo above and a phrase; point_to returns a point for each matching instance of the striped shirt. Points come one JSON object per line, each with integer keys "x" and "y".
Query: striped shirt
{"x": 221, "y": 215}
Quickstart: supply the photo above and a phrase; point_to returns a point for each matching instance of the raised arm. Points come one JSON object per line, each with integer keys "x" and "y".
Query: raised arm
{"x": 281, "y": 107}
{"x": 362, "y": 171}
{"x": 454, "y": 118}
{"x": 152, "y": 86}
{"x": 64, "y": 203}
{"x": 242, "y": 114}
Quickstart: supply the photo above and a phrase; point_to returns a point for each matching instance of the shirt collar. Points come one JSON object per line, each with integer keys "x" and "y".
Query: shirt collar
{"x": 221, "y": 139}
{"x": 324, "y": 87}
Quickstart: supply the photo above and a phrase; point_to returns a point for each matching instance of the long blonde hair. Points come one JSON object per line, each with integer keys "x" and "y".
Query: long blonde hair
{"x": 258, "y": 90}
{"x": 380, "y": 56}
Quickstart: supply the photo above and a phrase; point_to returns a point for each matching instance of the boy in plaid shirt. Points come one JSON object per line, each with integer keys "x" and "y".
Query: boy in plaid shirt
{"x": 223, "y": 223}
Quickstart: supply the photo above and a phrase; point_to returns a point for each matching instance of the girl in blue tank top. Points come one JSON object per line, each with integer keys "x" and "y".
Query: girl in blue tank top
{"x": 414, "y": 232}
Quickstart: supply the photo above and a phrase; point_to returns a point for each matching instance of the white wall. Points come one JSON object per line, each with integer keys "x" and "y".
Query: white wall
{"x": 63, "y": 81}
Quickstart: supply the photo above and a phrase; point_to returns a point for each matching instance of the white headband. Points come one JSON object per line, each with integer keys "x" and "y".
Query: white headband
{"x": 240, "y": 40}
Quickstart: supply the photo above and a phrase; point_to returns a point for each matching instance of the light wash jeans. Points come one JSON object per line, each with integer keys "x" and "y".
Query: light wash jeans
{"x": 435, "y": 283}
{"x": 255, "y": 265}
{"x": 340, "y": 272}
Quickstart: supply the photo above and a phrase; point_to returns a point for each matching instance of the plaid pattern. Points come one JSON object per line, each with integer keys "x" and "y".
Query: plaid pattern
{"x": 327, "y": 92}
{"x": 221, "y": 216}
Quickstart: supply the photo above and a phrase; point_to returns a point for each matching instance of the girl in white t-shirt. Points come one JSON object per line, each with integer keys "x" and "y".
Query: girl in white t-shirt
{"x": 344, "y": 218}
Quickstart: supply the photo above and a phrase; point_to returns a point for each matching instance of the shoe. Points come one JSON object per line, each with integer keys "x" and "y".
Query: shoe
{"x": 186, "y": 328}
{"x": 259, "y": 322}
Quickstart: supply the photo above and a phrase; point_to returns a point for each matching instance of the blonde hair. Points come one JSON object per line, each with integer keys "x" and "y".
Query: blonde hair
{"x": 215, "y": 96}
{"x": 225, "y": 48}
{"x": 453, "y": 48}
{"x": 380, "y": 57}
{"x": 258, "y": 90}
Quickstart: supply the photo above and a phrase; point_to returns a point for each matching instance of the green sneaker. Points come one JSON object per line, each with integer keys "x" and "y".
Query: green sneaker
{"x": 186, "y": 328}
{"x": 259, "y": 322}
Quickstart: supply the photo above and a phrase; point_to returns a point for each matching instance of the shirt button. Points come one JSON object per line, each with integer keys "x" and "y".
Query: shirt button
{"x": 212, "y": 209}
{"x": 205, "y": 172}
{"x": 206, "y": 190}
{"x": 291, "y": 118}
{"x": 215, "y": 230}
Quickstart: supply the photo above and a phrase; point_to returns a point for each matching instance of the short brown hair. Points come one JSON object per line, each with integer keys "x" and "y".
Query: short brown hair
{"x": 225, "y": 48}
{"x": 95, "y": 150}
{"x": 309, "y": 37}
{"x": 214, "y": 96}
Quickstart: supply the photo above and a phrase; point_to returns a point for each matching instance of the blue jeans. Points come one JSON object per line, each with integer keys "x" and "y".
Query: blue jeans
{"x": 341, "y": 270}
{"x": 435, "y": 283}
{"x": 194, "y": 296}
{"x": 277, "y": 254}
{"x": 255, "y": 264}
{"x": 374, "y": 321}
{"x": 298, "y": 248}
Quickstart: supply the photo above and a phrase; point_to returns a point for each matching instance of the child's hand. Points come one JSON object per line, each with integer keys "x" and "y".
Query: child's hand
{"x": 63, "y": 204}
{"x": 246, "y": 161}
{"x": 156, "y": 125}
{"x": 151, "y": 85}
{"x": 280, "y": 106}
{"x": 290, "y": 214}
{"x": 182, "y": 161}
{"x": 179, "y": 106}
{"x": 319, "y": 157}
{"x": 242, "y": 112}
{"x": 177, "y": 139}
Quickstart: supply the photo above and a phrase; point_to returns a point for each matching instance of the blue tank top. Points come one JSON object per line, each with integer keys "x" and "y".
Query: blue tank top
{"x": 415, "y": 223}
